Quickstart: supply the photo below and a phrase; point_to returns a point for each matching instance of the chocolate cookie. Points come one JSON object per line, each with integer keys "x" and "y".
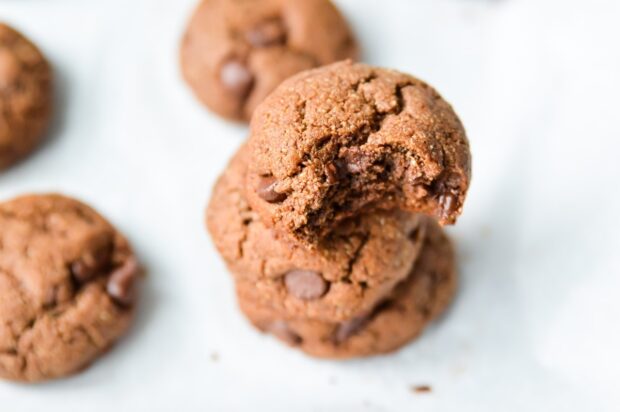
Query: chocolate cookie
{"x": 235, "y": 52}
{"x": 66, "y": 287}
{"x": 25, "y": 96}
{"x": 346, "y": 139}
{"x": 395, "y": 321}
{"x": 346, "y": 275}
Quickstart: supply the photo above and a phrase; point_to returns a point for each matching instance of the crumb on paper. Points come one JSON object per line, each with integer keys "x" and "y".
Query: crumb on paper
{"x": 215, "y": 357}
{"x": 421, "y": 389}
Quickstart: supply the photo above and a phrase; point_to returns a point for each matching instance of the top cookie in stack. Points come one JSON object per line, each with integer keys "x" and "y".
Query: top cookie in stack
{"x": 350, "y": 139}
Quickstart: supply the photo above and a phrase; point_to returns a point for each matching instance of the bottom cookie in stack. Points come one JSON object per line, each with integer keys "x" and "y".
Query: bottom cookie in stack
{"x": 396, "y": 320}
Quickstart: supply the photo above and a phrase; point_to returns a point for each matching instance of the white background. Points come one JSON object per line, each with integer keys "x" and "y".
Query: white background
{"x": 536, "y": 323}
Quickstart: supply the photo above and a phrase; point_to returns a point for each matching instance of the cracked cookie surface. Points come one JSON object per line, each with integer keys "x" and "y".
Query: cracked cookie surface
{"x": 349, "y": 139}
{"x": 345, "y": 276}
{"x": 67, "y": 286}
{"x": 235, "y": 52}
{"x": 400, "y": 317}
{"x": 25, "y": 96}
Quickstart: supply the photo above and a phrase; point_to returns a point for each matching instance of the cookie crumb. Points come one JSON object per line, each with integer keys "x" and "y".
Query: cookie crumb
{"x": 215, "y": 357}
{"x": 421, "y": 389}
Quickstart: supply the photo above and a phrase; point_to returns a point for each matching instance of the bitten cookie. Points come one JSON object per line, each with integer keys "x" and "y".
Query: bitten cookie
{"x": 399, "y": 318}
{"x": 345, "y": 139}
{"x": 25, "y": 96}
{"x": 67, "y": 285}
{"x": 235, "y": 52}
{"x": 345, "y": 276}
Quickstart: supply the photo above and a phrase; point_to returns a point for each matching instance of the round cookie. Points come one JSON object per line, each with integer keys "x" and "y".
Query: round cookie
{"x": 343, "y": 277}
{"x": 67, "y": 281}
{"x": 25, "y": 96}
{"x": 398, "y": 319}
{"x": 345, "y": 139}
{"x": 235, "y": 52}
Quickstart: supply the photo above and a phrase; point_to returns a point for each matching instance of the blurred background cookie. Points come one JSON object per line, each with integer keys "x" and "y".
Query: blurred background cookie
{"x": 235, "y": 52}
{"x": 25, "y": 96}
{"x": 67, "y": 287}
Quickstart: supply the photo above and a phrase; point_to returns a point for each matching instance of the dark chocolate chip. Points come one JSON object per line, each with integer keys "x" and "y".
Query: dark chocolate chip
{"x": 268, "y": 33}
{"x": 414, "y": 235}
{"x": 266, "y": 190}
{"x": 305, "y": 284}
{"x": 331, "y": 171}
{"x": 236, "y": 77}
{"x": 355, "y": 161}
{"x": 281, "y": 329}
{"x": 51, "y": 297}
{"x": 448, "y": 204}
{"x": 121, "y": 285}
{"x": 349, "y": 328}
{"x": 90, "y": 264}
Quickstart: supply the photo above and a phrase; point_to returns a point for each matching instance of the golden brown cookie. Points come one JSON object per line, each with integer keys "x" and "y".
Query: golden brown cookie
{"x": 350, "y": 139}
{"x": 398, "y": 319}
{"x": 235, "y": 52}
{"x": 343, "y": 277}
{"x": 67, "y": 287}
{"x": 25, "y": 96}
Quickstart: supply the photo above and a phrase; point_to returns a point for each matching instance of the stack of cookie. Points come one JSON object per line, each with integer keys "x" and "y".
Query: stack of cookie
{"x": 328, "y": 217}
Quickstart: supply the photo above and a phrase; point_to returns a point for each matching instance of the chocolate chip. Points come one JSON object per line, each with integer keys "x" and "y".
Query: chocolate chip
{"x": 266, "y": 190}
{"x": 448, "y": 205}
{"x": 305, "y": 284}
{"x": 281, "y": 329}
{"x": 236, "y": 77}
{"x": 349, "y": 328}
{"x": 121, "y": 283}
{"x": 268, "y": 33}
{"x": 355, "y": 161}
{"x": 90, "y": 264}
{"x": 51, "y": 297}
{"x": 414, "y": 235}
{"x": 331, "y": 171}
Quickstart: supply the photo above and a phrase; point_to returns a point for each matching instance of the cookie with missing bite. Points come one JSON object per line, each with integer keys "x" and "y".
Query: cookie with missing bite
{"x": 350, "y": 139}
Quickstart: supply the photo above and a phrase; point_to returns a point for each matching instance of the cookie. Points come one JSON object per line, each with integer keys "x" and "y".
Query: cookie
{"x": 347, "y": 139}
{"x": 235, "y": 52}
{"x": 398, "y": 319}
{"x": 25, "y": 96}
{"x": 67, "y": 287}
{"x": 346, "y": 275}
